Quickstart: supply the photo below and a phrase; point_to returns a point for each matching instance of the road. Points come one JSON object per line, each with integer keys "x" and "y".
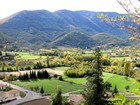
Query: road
{"x": 17, "y": 73}
{"x": 30, "y": 95}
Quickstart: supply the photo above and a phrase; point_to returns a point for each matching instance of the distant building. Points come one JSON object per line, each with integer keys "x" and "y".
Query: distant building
{"x": 75, "y": 99}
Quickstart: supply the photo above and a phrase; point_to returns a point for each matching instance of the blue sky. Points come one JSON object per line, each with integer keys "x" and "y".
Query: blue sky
{"x": 8, "y": 7}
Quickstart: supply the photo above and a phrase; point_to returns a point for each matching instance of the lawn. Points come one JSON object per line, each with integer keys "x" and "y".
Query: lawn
{"x": 106, "y": 76}
{"x": 121, "y": 58}
{"x": 50, "y": 85}
{"x": 27, "y": 55}
{"x": 119, "y": 81}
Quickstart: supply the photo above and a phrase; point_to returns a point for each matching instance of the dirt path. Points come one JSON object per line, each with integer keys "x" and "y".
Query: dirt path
{"x": 50, "y": 71}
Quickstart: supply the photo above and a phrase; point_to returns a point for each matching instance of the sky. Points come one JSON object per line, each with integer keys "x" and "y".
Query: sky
{"x": 9, "y": 7}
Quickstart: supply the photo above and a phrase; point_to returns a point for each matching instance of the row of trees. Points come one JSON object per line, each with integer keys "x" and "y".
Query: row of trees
{"x": 34, "y": 75}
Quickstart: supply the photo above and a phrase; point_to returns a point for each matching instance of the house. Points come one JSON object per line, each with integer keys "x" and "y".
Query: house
{"x": 75, "y": 99}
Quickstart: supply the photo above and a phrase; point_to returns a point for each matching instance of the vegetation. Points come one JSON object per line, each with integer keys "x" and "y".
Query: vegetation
{"x": 57, "y": 98}
{"x": 49, "y": 85}
{"x": 95, "y": 92}
{"x": 22, "y": 94}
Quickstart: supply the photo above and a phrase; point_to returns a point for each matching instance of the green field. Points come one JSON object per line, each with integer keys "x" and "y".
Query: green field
{"x": 121, "y": 58}
{"x": 50, "y": 85}
{"x": 26, "y": 55}
{"x": 114, "y": 79}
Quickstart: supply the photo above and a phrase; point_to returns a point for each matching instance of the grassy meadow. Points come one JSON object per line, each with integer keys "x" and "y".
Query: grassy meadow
{"x": 50, "y": 85}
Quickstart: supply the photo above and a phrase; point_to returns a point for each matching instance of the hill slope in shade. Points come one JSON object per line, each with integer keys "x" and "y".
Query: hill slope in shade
{"x": 108, "y": 39}
{"x": 74, "y": 39}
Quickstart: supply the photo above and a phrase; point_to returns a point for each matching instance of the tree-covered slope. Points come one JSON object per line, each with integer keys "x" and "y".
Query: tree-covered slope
{"x": 74, "y": 39}
{"x": 108, "y": 39}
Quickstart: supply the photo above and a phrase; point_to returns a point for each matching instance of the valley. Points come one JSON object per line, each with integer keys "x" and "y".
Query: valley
{"x": 68, "y": 55}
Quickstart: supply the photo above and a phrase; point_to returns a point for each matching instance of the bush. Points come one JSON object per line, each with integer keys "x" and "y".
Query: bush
{"x": 106, "y": 62}
{"x": 74, "y": 73}
{"x": 60, "y": 78}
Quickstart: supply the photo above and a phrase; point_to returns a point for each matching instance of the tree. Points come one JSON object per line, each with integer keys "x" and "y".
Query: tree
{"x": 42, "y": 90}
{"x": 127, "y": 69}
{"x": 129, "y": 22}
{"x": 16, "y": 63}
{"x": 131, "y": 7}
{"x": 115, "y": 90}
{"x": 0, "y": 53}
{"x": 95, "y": 92}
{"x": 57, "y": 98}
{"x": 48, "y": 61}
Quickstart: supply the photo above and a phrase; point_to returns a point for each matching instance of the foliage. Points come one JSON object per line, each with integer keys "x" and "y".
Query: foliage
{"x": 78, "y": 70}
{"x": 57, "y": 98}
{"x": 95, "y": 92}
{"x": 119, "y": 99}
{"x": 122, "y": 22}
{"x": 42, "y": 90}
{"x": 115, "y": 90}
{"x": 49, "y": 85}
{"x": 22, "y": 94}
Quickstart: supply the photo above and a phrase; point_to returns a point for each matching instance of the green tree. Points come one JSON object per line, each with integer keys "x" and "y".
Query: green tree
{"x": 95, "y": 92}
{"x": 57, "y": 98}
{"x": 48, "y": 61}
{"x": 42, "y": 90}
{"x": 115, "y": 90}
{"x": 0, "y": 53}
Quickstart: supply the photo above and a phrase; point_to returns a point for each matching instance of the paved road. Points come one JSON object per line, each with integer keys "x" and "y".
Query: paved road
{"x": 30, "y": 95}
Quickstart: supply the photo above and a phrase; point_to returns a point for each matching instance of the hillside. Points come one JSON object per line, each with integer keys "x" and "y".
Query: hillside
{"x": 40, "y": 28}
{"x": 4, "y": 39}
{"x": 74, "y": 39}
{"x": 108, "y": 39}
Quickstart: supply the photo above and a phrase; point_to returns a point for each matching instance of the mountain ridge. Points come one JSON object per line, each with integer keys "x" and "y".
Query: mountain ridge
{"x": 42, "y": 26}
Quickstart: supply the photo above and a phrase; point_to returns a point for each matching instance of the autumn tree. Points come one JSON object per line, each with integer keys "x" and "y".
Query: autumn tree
{"x": 129, "y": 22}
{"x": 127, "y": 68}
{"x": 95, "y": 92}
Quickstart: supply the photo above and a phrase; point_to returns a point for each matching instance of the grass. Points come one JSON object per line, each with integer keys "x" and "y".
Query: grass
{"x": 22, "y": 94}
{"x": 75, "y": 80}
{"x": 27, "y": 55}
{"x": 119, "y": 81}
{"x": 121, "y": 58}
{"x": 50, "y": 85}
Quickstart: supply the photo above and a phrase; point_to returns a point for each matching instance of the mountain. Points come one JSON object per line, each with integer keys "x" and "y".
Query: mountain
{"x": 74, "y": 39}
{"x": 93, "y": 17}
{"x": 108, "y": 39}
{"x": 41, "y": 28}
{"x": 5, "y": 39}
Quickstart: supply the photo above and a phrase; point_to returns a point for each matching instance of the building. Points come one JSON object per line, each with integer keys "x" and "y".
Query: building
{"x": 75, "y": 99}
